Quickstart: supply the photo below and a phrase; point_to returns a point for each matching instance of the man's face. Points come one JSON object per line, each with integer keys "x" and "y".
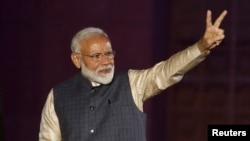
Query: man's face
{"x": 97, "y": 64}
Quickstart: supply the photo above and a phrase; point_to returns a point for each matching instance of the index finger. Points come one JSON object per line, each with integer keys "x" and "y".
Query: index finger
{"x": 208, "y": 20}
{"x": 220, "y": 18}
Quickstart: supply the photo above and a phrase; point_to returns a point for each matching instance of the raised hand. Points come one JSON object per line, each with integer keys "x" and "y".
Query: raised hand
{"x": 213, "y": 34}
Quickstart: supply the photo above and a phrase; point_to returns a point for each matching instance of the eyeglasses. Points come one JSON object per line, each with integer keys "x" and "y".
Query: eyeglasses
{"x": 99, "y": 56}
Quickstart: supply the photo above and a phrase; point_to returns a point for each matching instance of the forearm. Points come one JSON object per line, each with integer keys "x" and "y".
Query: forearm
{"x": 149, "y": 82}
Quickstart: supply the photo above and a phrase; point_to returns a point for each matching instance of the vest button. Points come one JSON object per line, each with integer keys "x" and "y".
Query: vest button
{"x": 92, "y": 108}
{"x": 92, "y": 131}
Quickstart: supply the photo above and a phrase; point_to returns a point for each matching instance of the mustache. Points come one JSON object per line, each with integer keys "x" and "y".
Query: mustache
{"x": 104, "y": 68}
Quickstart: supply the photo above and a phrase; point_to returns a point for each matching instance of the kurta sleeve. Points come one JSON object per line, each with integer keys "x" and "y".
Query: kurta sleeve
{"x": 150, "y": 82}
{"x": 49, "y": 126}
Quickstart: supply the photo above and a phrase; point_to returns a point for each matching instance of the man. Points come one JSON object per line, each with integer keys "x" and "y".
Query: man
{"x": 101, "y": 105}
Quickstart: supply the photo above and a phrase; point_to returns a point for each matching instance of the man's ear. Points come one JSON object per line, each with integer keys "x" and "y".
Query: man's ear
{"x": 76, "y": 60}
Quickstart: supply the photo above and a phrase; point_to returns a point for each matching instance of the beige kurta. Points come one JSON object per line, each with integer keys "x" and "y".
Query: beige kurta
{"x": 144, "y": 84}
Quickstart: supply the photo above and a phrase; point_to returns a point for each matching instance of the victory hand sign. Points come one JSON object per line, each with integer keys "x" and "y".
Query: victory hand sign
{"x": 213, "y": 34}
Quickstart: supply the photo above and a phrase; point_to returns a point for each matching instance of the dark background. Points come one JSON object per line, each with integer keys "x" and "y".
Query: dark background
{"x": 35, "y": 40}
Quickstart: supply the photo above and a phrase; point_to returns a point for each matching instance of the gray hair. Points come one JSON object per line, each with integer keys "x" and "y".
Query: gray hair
{"x": 84, "y": 34}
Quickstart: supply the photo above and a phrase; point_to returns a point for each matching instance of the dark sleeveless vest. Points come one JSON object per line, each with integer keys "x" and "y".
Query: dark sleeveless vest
{"x": 103, "y": 113}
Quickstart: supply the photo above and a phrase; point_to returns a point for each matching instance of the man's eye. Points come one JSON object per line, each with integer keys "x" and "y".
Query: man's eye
{"x": 108, "y": 53}
{"x": 96, "y": 55}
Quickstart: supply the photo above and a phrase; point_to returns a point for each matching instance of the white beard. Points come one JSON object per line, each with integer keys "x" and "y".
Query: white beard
{"x": 93, "y": 75}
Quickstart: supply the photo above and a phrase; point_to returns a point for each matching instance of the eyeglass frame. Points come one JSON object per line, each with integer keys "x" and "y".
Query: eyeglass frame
{"x": 97, "y": 57}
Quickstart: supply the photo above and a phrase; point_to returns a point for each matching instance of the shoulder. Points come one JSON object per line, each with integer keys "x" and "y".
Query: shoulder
{"x": 69, "y": 81}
